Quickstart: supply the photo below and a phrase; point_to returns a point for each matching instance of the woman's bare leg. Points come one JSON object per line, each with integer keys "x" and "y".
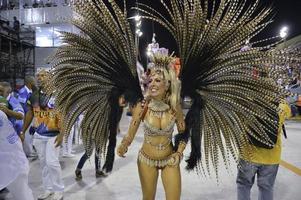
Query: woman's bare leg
{"x": 171, "y": 178}
{"x": 148, "y": 179}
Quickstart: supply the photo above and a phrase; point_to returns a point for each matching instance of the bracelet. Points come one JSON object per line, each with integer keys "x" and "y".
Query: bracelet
{"x": 125, "y": 141}
{"x": 180, "y": 155}
{"x": 125, "y": 147}
{"x": 182, "y": 143}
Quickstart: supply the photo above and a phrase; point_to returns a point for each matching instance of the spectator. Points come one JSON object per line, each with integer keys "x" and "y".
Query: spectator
{"x": 23, "y": 96}
{"x": 35, "y": 4}
{"x": 298, "y": 104}
{"x": 3, "y": 101}
{"x": 83, "y": 159}
{"x": 48, "y": 4}
{"x": 117, "y": 105}
{"x": 263, "y": 162}
{"x": 11, "y": 5}
{"x": 296, "y": 79}
{"x": 25, "y": 92}
{"x": 25, "y": 5}
{"x": 41, "y": 4}
{"x": 14, "y": 166}
{"x": 16, "y": 27}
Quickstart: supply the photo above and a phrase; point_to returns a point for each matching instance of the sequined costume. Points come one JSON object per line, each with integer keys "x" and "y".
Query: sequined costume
{"x": 151, "y": 132}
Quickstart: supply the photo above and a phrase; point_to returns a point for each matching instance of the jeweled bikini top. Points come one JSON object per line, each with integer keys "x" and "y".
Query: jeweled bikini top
{"x": 150, "y": 130}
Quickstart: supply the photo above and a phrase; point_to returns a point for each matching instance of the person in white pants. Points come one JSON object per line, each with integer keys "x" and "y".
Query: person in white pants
{"x": 49, "y": 161}
{"x": 23, "y": 96}
{"x": 14, "y": 167}
{"x": 28, "y": 145}
{"x": 47, "y": 138}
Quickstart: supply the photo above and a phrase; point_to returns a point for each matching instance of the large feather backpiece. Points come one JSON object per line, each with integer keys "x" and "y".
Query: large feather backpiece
{"x": 94, "y": 68}
{"x": 228, "y": 101}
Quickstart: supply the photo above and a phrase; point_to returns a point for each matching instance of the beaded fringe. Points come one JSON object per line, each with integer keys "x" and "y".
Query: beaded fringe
{"x": 142, "y": 157}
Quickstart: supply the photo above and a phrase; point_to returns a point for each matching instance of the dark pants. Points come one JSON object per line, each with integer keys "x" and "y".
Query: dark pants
{"x": 84, "y": 158}
{"x": 299, "y": 109}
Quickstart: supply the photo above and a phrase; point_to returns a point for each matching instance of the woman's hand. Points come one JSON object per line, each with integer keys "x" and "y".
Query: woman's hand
{"x": 175, "y": 159}
{"x": 121, "y": 150}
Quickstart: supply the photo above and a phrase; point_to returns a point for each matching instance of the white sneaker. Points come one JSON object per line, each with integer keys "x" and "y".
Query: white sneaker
{"x": 45, "y": 195}
{"x": 57, "y": 196}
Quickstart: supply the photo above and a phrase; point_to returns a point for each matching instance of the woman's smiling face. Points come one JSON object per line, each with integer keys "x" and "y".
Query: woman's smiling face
{"x": 157, "y": 86}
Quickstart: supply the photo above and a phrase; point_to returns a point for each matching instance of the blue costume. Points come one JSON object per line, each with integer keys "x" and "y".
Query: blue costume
{"x": 14, "y": 105}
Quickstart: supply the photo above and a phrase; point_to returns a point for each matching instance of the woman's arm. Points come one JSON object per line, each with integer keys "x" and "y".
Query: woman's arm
{"x": 180, "y": 119}
{"x": 180, "y": 122}
{"x": 134, "y": 125}
{"x": 176, "y": 157}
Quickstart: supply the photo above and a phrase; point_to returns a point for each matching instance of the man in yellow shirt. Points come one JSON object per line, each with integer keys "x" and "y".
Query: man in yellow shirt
{"x": 263, "y": 162}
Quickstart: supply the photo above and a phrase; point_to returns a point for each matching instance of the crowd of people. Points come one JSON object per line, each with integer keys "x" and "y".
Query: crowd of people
{"x": 295, "y": 88}
{"x": 32, "y": 107}
{"x": 13, "y": 29}
{"x": 31, "y": 125}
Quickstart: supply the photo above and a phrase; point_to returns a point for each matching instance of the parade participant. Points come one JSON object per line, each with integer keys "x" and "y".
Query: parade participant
{"x": 47, "y": 137}
{"x": 25, "y": 92}
{"x": 160, "y": 112}
{"x": 115, "y": 117}
{"x": 23, "y": 96}
{"x": 14, "y": 167}
{"x": 14, "y": 110}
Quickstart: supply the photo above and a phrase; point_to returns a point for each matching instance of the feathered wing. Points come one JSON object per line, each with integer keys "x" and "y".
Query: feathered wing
{"x": 94, "y": 68}
{"x": 228, "y": 101}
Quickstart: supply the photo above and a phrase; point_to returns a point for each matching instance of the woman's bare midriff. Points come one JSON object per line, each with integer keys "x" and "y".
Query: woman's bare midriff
{"x": 153, "y": 153}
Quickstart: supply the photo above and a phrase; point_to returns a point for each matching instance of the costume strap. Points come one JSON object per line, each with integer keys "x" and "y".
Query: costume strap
{"x": 145, "y": 103}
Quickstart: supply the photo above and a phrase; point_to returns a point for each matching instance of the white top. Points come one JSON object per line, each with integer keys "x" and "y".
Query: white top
{"x": 12, "y": 158}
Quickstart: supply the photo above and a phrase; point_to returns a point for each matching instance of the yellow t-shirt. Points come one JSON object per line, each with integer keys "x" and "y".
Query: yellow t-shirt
{"x": 270, "y": 156}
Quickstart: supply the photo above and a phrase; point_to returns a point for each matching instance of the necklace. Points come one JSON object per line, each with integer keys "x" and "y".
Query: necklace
{"x": 157, "y": 108}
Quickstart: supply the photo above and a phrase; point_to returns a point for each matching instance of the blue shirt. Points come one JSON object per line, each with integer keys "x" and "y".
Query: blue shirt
{"x": 23, "y": 96}
{"x": 14, "y": 105}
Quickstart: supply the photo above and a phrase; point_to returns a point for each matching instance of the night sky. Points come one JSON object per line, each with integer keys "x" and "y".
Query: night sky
{"x": 286, "y": 13}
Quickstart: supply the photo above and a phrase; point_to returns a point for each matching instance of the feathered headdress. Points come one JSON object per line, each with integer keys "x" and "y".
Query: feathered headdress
{"x": 229, "y": 105}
